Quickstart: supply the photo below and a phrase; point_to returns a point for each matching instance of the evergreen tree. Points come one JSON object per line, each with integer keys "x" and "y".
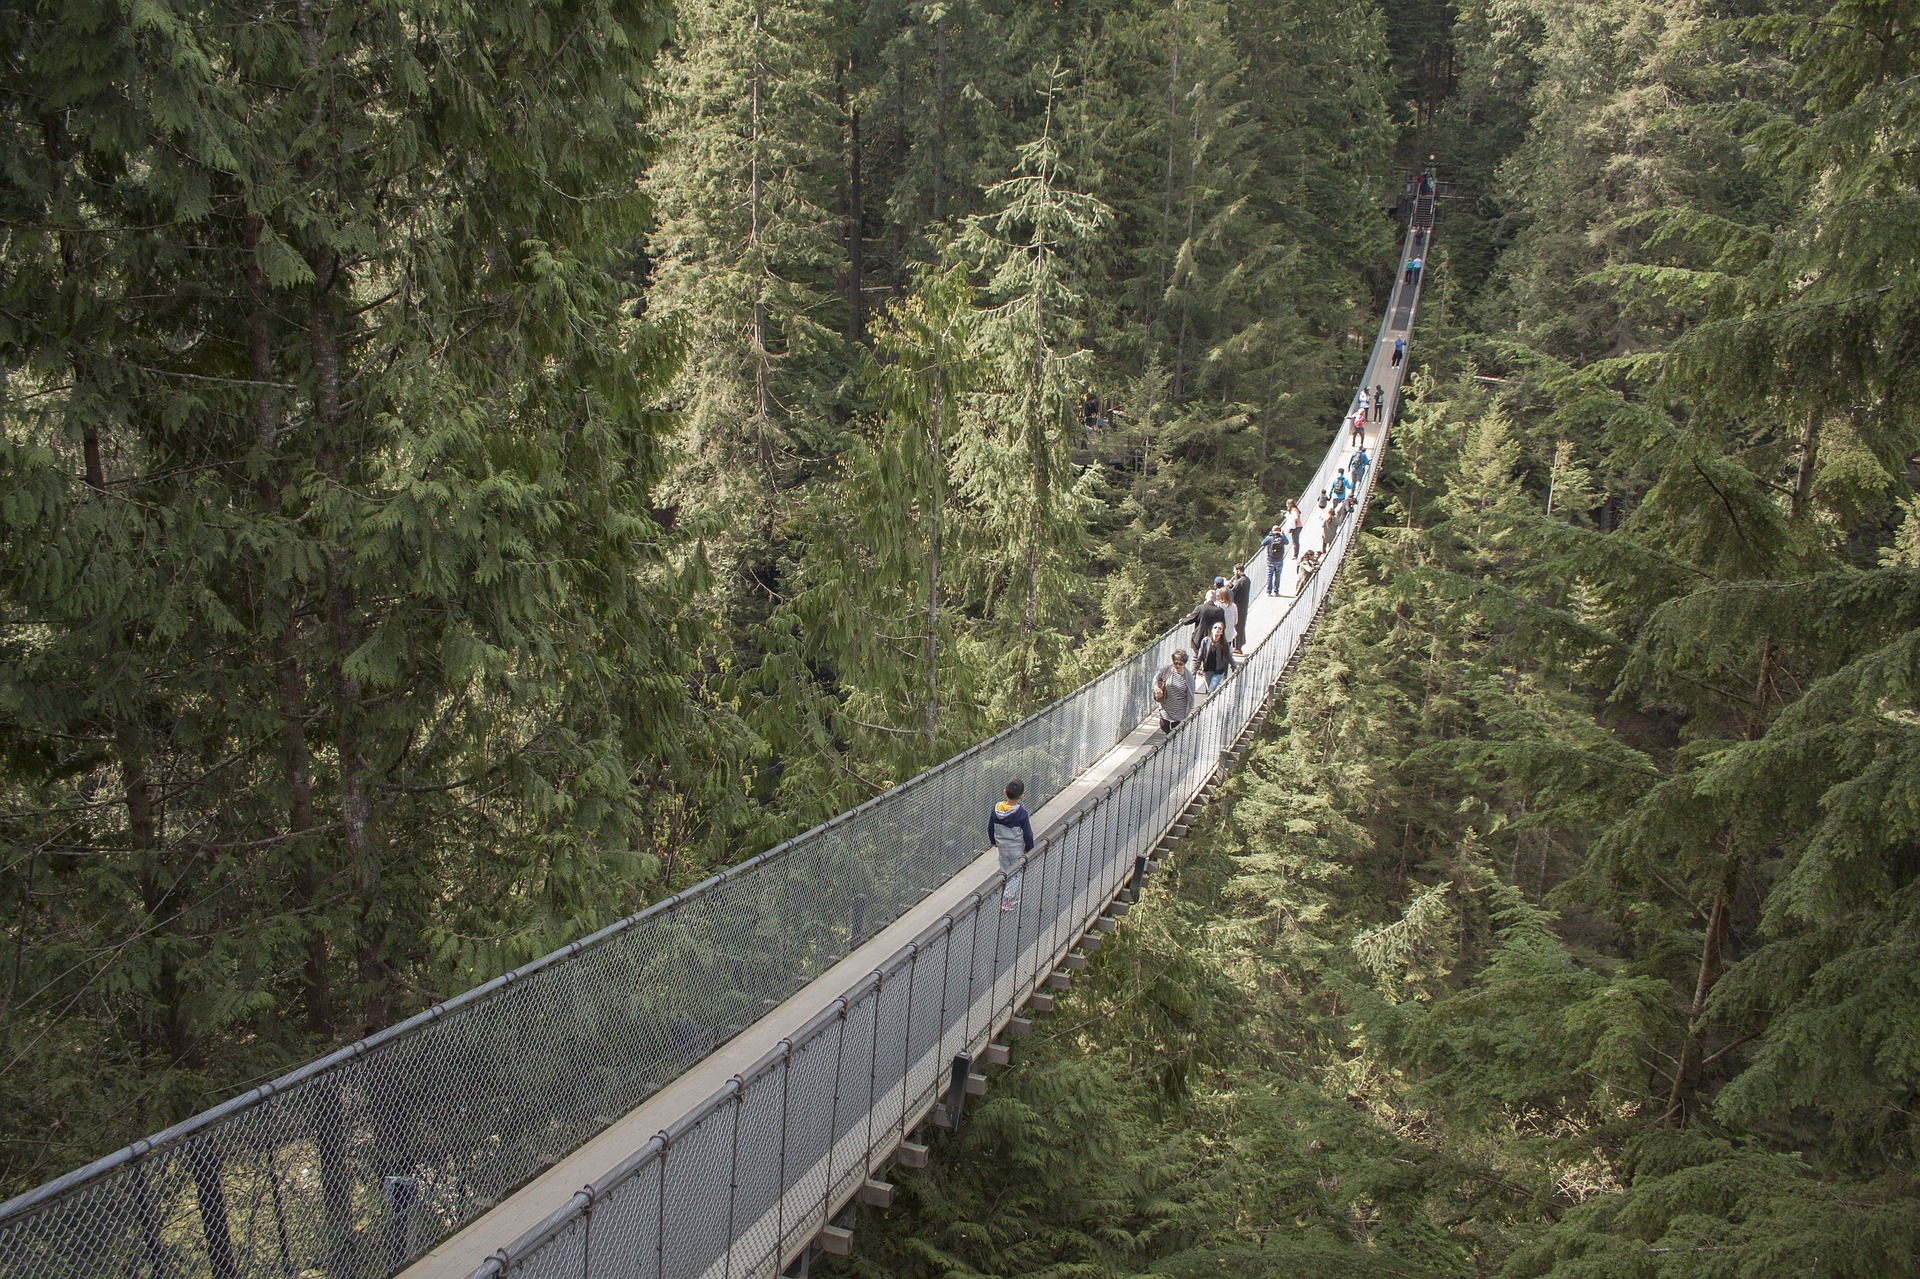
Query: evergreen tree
{"x": 1015, "y": 464}
{"x": 746, "y": 252}
{"x": 337, "y": 632}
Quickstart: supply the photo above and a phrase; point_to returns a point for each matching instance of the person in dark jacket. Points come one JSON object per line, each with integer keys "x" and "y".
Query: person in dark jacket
{"x": 1204, "y": 615}
{"x": 1213, "y": 660}
{"x": 1012, "y": 834}
{"x": 1240, "y": 586}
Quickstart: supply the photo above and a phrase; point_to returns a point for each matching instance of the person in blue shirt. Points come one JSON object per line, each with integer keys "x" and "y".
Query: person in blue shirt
{"x": 1012, "y": 834}
{"x": 1338, "y": 489}
{"x": 1413, "y": 269}
{"x": 1359, "y": 464}
{"x": 1399, "y": 351}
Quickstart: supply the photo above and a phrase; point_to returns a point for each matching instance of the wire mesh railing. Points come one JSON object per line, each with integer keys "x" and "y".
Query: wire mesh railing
{"x": 360, "y": 1161}
{"x": 363, "y": 1160}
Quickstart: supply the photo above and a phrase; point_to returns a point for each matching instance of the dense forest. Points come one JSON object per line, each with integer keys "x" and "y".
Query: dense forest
{"x": 469, "y": 472}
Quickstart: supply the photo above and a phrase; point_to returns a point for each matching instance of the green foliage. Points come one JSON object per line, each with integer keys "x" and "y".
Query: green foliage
{"x": 1566, "y": 924}
{"x": 343, "y": 665}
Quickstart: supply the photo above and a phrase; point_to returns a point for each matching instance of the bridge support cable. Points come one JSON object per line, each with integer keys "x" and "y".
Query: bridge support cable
{"x": 452, "y": 1131}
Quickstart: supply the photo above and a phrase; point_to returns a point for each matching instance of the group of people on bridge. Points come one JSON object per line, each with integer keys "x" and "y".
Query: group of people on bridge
{"x": 1220, "y": 619}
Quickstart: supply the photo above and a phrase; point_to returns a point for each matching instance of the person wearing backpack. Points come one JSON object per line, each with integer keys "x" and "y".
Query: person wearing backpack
{"x": 1173, "y": 690}
{"x": 1274, "y": 546}
{"x": 1359, "y": 463}
{"x": 1012, "y": 834}
{"x": 1339, "y": 489}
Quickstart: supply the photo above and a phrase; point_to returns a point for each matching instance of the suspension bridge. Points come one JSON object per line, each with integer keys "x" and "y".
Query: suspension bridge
{"x": 706, "y": 1089}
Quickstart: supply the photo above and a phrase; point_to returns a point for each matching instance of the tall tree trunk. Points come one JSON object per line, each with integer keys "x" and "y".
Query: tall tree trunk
{"x": 1186, "y": 301}
{"x": 356, "y": 805}
{"x": 1037, "y": 417}
{"x": 856, "y": 234}
{"x": 940, "y": 118}
{"x": 1173, "y": 136}
{"x": 295, "y": 759}
{"x": 1686, "y": 1083}
{"x": 937, "y": 454}
{"x": 1686, "y": 1071}
{"x": 756, "y": 250}
{"x": 1803, "y": 472}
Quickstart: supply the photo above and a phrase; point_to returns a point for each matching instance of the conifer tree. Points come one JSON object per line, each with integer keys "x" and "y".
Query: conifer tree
{"x": 1015, "y": 464}
{"x": 336, "y": 625}
{"x": 880, "y": 600}
{"x": 746, "y": 252}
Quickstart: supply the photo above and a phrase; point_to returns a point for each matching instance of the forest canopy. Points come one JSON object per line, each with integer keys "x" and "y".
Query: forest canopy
{"x": 469, "y": 473}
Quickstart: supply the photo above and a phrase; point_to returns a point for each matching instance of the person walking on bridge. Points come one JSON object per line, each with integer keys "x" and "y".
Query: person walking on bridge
{"x": 1296, "y": 521}
{"x": 1204, "y": 615}
{"x": 1274, "y": 545}
{"x": 1173, "y": 689}
{"x": 1399, "y": 351}
{"x": 1224, "y": 597}
{"x": 1012, "y": 834}
{"x": 1413, "y": 269}
{"x": 1358, "y": 465}
{"x": 1240, "y": 586}
{"x": 1213, "y": 660}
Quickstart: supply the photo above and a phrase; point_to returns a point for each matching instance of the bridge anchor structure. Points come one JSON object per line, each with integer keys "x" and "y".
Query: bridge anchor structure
{"x": 711, "y": 1088}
